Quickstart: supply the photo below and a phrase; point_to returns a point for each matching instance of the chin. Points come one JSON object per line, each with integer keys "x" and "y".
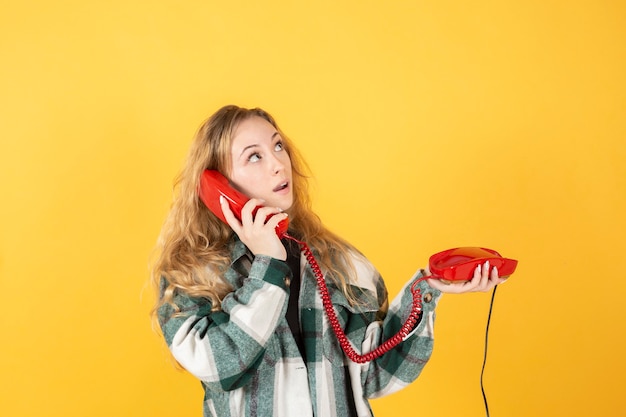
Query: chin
{"x": 286, "y": 205}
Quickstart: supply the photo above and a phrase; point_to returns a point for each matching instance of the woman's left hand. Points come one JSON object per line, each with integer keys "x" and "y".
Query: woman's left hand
{"x": 484, "y": 280}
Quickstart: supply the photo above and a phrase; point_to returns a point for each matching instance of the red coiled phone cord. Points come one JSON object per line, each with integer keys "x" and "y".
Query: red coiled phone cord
{"x": 389, "y": 344}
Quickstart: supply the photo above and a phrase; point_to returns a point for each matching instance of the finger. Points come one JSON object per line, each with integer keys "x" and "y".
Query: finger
{"x": 479, "y": 280}
{"x": 478, "y": 272}
{"x": 484, "y": 277}
{"x": 494, "y": 273}
{"x": 485, "y": 271}
{"x": 275, "y": 219}
{"x": 476, "y": 279}
{"x": 247, "y": 216}
{"x": 232, "y": 221}
{"x": 493, "y": 280}
{"x": 264, "y": 214}
{"x": 495, "y": 276}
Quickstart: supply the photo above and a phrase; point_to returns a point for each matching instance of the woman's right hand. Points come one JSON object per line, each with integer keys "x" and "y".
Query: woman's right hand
{"x": 257, "y": 234}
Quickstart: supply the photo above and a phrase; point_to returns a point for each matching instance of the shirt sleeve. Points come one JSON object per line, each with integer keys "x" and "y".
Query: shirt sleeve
{"x": 401, "y": 365}
{"x": 225, "y": 347}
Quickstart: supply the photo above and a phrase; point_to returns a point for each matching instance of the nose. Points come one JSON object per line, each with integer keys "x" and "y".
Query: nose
{"x": 277, "y": 165}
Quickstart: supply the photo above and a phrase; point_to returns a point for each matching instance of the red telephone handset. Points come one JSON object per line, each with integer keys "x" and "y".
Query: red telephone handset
{"x": 213, "y": 185}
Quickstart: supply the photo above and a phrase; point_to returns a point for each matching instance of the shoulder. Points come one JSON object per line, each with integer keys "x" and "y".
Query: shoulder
{"x": 365, "y": 273}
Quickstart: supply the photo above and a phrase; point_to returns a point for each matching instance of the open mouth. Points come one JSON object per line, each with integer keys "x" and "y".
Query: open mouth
{"x": 282, "y": 186}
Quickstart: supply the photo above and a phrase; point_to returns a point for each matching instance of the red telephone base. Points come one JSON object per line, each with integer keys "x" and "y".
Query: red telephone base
{"x": 458, "y": 264}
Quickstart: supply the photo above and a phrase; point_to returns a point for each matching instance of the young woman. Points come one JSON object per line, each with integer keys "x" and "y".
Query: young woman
{"x": 240, "y": 309}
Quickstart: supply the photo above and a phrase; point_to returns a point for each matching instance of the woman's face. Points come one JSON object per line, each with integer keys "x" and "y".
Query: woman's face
{"x": 261, "y": 167}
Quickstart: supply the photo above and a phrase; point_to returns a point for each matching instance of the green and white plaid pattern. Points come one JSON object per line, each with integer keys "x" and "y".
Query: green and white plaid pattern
{"x": 250, "y": 365}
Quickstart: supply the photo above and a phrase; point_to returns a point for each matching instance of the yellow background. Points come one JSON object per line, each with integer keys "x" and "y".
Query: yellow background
{"x": 428, "y": 125}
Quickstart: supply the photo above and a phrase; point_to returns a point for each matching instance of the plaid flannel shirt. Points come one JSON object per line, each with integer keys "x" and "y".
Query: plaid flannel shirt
{"x": 250, "y": 365}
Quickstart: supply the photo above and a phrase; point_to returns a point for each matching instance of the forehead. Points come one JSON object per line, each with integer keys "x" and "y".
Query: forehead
{"x": 254, "y": 130}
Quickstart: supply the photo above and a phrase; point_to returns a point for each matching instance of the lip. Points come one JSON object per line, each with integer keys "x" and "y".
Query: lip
{"x": 283, "y": 186}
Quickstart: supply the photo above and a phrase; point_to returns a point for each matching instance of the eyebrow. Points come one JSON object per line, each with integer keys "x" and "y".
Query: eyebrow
{"x": 254, "y": 145}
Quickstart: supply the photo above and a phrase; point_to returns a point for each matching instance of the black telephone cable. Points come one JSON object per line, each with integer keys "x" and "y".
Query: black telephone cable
{"x": 482, "y": 372}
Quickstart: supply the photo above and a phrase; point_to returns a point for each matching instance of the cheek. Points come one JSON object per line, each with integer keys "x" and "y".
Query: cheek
{"x": 287, "y": 162}
{"x": 248, "y": 184}
{"x": 240, "y": 181}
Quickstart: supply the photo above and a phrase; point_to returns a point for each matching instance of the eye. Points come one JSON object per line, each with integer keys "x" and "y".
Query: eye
{"x": 279, "y": 146}
{"x": 255, "y": 157}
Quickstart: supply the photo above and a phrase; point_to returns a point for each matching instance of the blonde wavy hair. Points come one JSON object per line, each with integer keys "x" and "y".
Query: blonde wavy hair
{"x": 193, "y": 248}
